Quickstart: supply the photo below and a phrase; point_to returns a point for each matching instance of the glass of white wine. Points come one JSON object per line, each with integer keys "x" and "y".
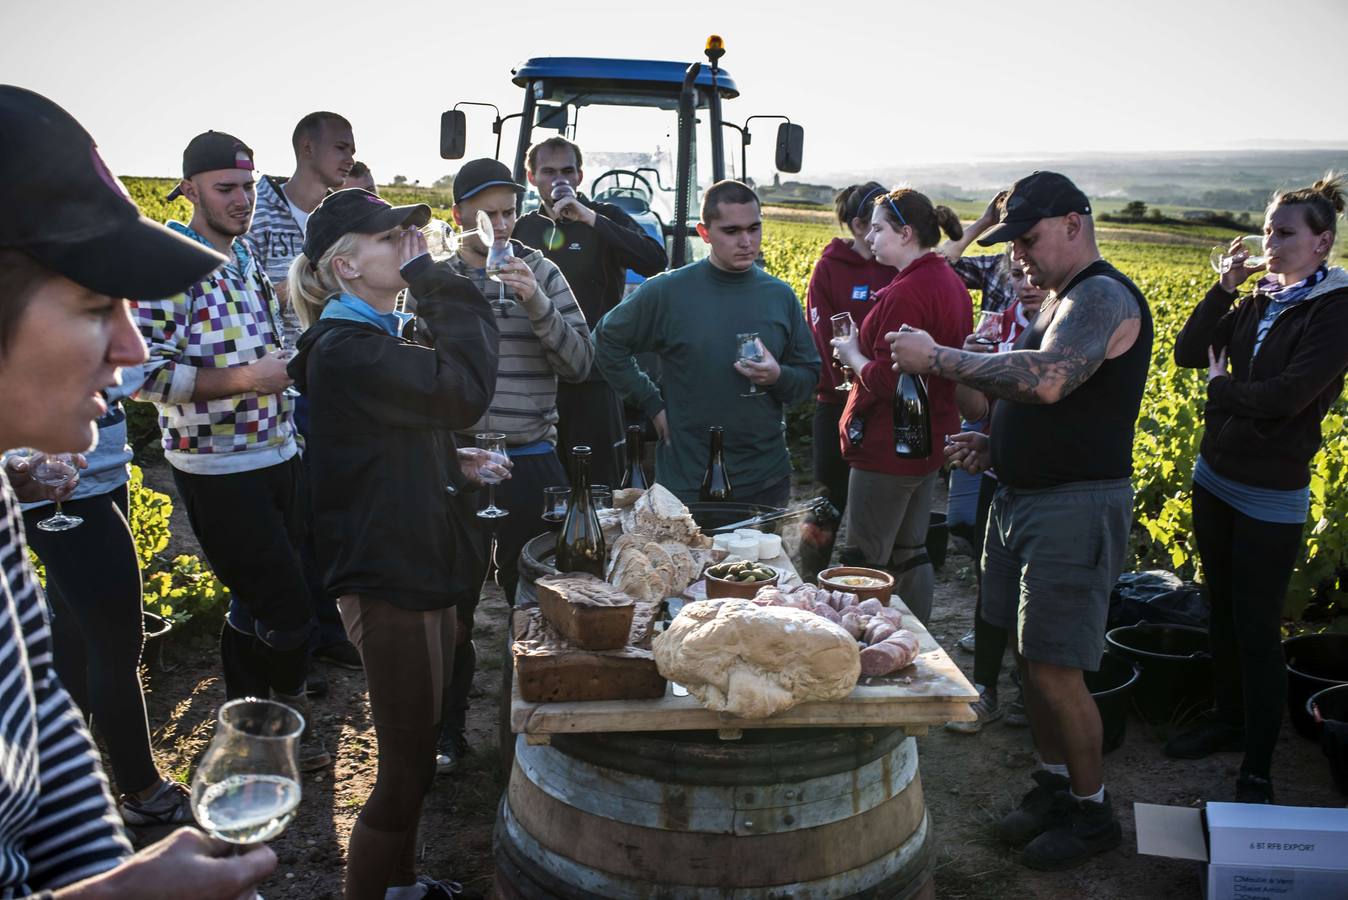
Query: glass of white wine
{"x": 844, "y": 326}
{"x": 247, "y": 787}
{"x": 1222, "y": 259}
{"x": 749, "y": 348}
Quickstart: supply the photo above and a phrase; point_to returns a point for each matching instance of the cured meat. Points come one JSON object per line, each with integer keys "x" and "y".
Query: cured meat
{"x": 854, "y": 624}
{"x": 892, "y": 616}
{"x": 827, "y": 612}
{"x": 879, "y": 630}
{"x": 891, "y": 654}
{"x": 871, "y": 607}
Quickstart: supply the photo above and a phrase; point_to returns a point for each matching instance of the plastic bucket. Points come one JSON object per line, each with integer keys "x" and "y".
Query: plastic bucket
{"x": 1176, "y": 669}
{"x": 1314, "y": 662}
{"x": 1112, "y": 688}
{"x": 1328, "y": 709}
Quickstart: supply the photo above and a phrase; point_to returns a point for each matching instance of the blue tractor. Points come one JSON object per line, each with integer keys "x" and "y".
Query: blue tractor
{"x": 558, "y": 88}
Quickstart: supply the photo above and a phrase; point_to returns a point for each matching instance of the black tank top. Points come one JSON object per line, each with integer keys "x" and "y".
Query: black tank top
{"x": 1087, "y": 435}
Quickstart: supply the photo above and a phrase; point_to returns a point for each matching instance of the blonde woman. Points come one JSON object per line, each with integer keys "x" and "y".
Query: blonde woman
{"x": 383, "y": 409}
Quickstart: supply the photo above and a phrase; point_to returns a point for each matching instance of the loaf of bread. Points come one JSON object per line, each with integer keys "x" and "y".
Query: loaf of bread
{"x": 585, "y": 610}
{"x": 549, "y": 669}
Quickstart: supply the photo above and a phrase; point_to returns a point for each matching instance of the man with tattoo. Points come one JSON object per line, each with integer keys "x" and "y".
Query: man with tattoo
{"x": 1061, "y": 444}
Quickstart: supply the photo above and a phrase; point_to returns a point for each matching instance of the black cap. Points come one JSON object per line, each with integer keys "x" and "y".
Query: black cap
{"x": 353, "y": 209}
{"x": 61, "y": 205}
{"x": 213, "y": 150}
{"x": 1042, "y": 195}
{"x": 480, "y": 174}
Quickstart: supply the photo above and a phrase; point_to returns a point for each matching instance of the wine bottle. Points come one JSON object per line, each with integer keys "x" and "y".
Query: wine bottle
{"x": 716, "y": 480}
{"x": 634, "y": 476}
{"x": 580, "y": 544}
{"x": 912, "y": 418}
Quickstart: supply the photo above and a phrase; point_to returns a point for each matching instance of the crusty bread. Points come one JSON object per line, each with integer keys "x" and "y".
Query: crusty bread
{"x": 585, "y": 610}
{"x": 632, "y": 574}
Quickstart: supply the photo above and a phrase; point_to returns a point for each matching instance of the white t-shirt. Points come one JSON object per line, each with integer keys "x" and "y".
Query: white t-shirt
{"x": 301, "y": 217}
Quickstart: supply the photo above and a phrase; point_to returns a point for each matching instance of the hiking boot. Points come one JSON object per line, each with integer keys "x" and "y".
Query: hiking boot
{"x": 1087, "y": 829}
{"x": 170, "y": 804}
{"x": 1041, "y": 807}
{"x": 313, "y": 754}
{"x": 1206, "y": 736}
{"x": 966, "y": 643}
{"x": 1015, "y": 711}
{"x": 1253, "y": 789}
{"x": 987, "y": 710}
{"x": 339, "y": 653}
{"x": 449, "y": 755}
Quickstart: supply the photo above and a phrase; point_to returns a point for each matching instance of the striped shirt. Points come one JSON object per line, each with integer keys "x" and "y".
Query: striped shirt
{"x": 276, "y": 238}
{"x": 541, "y": 341}
{"x": 57, "y": 821}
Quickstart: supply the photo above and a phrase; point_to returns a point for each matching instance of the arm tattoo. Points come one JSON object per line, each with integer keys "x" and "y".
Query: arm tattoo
{"x": 1074, "y": 346}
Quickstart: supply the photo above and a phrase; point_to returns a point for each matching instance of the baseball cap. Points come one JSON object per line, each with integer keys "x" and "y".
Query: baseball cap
{"x": 213, "y": 150}
{"x": 354, "y": 209}
{"x": 60, "y": 204}
{"x": 479, "y": 174}
{"x": 1041, "y": 195}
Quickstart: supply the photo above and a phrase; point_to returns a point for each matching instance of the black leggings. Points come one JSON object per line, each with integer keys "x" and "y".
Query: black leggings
{"x": 408, "y": 657}
{"x": 93, "y": 584}
{"x": 989, "y": 640}
{"x": 830, "y": 469}
{"x": 1247, "y": 564}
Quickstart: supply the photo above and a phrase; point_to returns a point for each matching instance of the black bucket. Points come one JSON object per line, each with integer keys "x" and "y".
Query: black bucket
{"x": 1314, "y": 662}
{"x": 1112, "y": 688}
{"x": 1328, "y": 709}
{"x": 1176, "y": 680}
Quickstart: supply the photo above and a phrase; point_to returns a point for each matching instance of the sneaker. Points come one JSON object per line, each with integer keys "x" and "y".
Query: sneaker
{"x": 1038, "y": 809}
{"x": 170, "y": 804}
{"x": 1015, "y": 711}
{"x": 1087, "y": 828}
{"x": 1205, "y": 737}
{"x": 445, "y": 890}
{"x": 449, "y": 755}
{"x": 987, "y": 710}
{"x": 340, "y": 653}
{"x": 966, "y": 643}
{"x": 1253, "y": 789}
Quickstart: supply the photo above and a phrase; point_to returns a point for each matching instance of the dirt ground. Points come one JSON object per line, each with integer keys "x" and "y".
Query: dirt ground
{"x": 969, "y": 781}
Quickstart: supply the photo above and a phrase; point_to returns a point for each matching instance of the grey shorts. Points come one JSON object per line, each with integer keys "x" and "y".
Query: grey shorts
{"x": 1050, "y": 559}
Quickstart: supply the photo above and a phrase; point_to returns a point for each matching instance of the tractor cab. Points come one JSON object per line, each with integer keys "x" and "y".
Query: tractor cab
{"x": 646, "y": 101}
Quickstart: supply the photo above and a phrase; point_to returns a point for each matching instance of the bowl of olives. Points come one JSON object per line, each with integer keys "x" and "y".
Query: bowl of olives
{"x": 739, "y": 579}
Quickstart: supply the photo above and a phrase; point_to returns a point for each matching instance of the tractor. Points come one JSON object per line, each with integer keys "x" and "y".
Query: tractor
{"x": 558, "y": 88}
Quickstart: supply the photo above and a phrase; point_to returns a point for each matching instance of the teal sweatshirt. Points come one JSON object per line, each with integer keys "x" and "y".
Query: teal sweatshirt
{"x": 689, "y": 317}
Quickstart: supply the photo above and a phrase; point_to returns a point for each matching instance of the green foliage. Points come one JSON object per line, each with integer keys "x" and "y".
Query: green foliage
{"x": 178, "y": 589}
{"x": 1173, "y": 277}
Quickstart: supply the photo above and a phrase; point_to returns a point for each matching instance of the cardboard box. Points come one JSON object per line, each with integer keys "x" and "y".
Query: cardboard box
{"x": 1253, "y": 850}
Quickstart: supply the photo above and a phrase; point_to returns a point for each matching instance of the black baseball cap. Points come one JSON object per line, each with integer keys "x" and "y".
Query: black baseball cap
{"x": 479, "y": 174}
{"x": 213, "y": 150}
{"x": 1042, "y": 195}
{"x": 354, "y": 209}
{"x": 60, "y": 204}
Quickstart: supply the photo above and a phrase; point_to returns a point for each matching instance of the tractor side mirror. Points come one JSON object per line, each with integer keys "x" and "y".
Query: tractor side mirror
{"x": 790, "y": 147}
{"x": 453, "y": 134}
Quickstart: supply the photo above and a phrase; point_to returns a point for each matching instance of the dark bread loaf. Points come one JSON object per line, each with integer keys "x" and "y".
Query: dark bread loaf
{"x": 588, "y": 612}
{"x": 549, "y": 669}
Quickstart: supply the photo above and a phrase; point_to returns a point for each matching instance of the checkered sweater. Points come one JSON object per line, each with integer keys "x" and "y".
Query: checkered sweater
{"x": 226, "y": 319}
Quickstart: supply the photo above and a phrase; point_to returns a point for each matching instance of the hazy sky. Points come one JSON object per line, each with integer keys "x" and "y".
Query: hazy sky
{"x": 881, "y": 83}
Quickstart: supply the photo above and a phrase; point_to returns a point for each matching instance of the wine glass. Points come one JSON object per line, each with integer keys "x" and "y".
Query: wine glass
{"x": 749, "y": 349}
{"x": 1221, "y": 259}
{"x": 498, "y": 257}
{"x": 555, "y": 500}
{"x": 492, "y": 442}
{"x": 602, "y": 496}
{"x": 444, "y": 241}
{"x": 844, "y": 326}
{"x": 247, "y": 787}
{"x": 989, "y": 330}
{"x": 54, "y": 470}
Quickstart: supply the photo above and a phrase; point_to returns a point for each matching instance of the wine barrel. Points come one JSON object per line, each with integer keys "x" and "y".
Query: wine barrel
{"x": 799, "y": 813}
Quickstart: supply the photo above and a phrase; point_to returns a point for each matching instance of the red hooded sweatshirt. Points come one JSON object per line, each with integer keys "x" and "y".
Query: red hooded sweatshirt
{"x": 842, "y": 282}
{"x": 927, "y": 295}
